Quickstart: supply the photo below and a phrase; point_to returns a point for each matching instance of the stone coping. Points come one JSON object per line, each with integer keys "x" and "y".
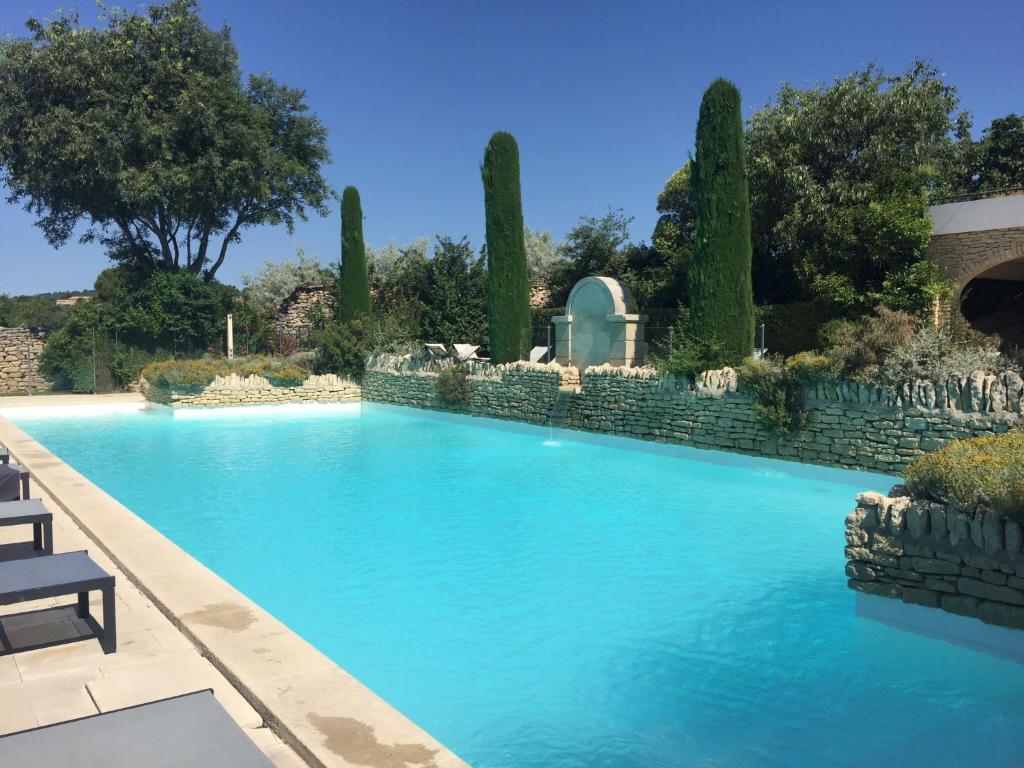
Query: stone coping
{"x": 327, "y": 716}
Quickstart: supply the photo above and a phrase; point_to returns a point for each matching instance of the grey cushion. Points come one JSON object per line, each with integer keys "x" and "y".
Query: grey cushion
{"x": 188, "y": 730}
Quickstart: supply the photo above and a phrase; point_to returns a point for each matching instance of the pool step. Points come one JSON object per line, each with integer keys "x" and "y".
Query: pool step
{"x": 560, "y": 408}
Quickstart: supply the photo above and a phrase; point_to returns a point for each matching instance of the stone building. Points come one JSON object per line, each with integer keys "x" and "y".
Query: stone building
{"x": 540, "y": 294}
{"x": 293, "y": 315}
{"x": 981, "y": 245}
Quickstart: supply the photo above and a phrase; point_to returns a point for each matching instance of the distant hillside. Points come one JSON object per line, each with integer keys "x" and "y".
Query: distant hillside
{"x": 38, "y": 310}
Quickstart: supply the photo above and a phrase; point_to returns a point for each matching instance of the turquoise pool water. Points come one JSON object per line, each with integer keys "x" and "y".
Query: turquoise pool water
{"x": 542, "y": 603}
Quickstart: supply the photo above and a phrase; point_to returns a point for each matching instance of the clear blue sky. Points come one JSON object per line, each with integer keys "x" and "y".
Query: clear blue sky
{"x": 602, "y": 97}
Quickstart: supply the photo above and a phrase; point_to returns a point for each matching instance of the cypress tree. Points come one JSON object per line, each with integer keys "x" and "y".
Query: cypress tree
{"x": 354, "y": 300}
{"x": 508, "y": 285}
{"x": 719, "y": 279}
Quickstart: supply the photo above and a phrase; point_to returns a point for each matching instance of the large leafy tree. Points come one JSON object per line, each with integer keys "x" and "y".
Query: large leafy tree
{"x": 1001, "y": 153}
{"x": 718, "y": 281}
{"x": 508, "y": 282}
{"x": 439, "y": 297}
{"x": 454, "y": 294}
{"x": 838, "y": 181}
{"x": 143, "y": 132}
{"x": 996, "y": 161}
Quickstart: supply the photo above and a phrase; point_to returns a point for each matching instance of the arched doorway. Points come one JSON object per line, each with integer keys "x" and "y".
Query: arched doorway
{"x": 992, "y": 300}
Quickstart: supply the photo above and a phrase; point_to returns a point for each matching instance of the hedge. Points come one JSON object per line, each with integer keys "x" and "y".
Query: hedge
{"x": 983, "y": 473}
{"x": 792, "y": 328}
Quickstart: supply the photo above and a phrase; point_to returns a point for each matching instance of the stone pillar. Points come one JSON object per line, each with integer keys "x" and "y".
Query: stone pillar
{"x": 628, "y": 347}
{"x": 563, "y": 339}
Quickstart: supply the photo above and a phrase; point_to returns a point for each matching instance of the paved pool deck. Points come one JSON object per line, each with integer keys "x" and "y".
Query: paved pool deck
{"x": 180, "y": 628}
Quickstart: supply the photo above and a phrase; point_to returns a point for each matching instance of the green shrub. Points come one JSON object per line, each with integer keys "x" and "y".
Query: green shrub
{"x": 778, "y": 397}
{"x": 126, "y": 364}
{"x": 453, "y": 384}
{"x": 192, "y": 376}
{"x": 778, "y": 388}
{"x": 936, "y": 353}
{"x": 287, "y": 376}
{"x": 858, "y": 348}
{"x": 688, "y": 353}
{"x": 67, "y": 358}
{"x": 792, "y": 328}
{"x": 980, "y": 473}
{"x": 342, "y": 349}
{"x": 811, "y": 368}
{"x": 180, "y": 376}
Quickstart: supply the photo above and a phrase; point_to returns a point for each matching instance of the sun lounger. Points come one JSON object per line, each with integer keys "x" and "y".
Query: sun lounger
{"x": 188, "y": 730}
{"x": 30, "y": 512}
{"x": 13, "y": 482}
{"x": 37, "y": 578}
{"x": 466, "y": 352}
{"x": 539, "y": 354}
{"x": 436, "y": 351}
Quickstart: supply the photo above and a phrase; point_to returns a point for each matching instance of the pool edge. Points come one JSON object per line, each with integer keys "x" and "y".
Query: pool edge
{"x": 310, "y": 702}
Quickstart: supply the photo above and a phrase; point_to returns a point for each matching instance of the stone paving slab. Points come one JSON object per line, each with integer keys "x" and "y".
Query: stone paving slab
{"x": 73, "y": 679}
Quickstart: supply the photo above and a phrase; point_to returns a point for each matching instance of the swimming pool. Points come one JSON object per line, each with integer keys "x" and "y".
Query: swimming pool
{"x": 535, "y": 600}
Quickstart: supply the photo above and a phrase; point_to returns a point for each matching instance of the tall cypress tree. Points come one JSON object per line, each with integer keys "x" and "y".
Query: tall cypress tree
{"x": 508, "y": 285}
{"x": 355, "y": 284}
{"x": 719, "y": 279}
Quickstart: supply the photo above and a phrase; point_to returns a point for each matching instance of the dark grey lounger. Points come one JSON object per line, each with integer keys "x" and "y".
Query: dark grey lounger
{"x": 37, "y": 578}
{"x": 30, "y": 512}
{"x": 188, "y": 730}
{"x": 13, "y": 479}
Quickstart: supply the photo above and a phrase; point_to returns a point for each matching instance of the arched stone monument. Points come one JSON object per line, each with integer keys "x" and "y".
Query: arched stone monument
{"x": 600, "y": 325}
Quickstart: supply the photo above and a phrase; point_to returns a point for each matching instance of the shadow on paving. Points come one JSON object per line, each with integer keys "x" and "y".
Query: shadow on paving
{"x": 45, "y": 628}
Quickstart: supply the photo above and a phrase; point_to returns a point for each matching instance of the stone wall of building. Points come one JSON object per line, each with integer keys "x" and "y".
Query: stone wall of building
{"x": 931, "y": 554}
{"x": 519, "y": 391}
{"x": 848, "y": 425}
{"x": 965, "y": 255}
{"x": 293, "y": 315}
{"x": 20, "y": 349}
{"x": 256, "y": 390}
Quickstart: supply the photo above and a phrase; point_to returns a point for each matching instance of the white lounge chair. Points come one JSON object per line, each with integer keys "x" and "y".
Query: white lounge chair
{"x": 436, "y": 351}
{"x": 539, "y": 354}
{"x": 466, "y": 352}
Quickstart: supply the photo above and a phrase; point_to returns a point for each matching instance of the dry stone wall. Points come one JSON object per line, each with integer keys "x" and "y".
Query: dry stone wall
{"x": 520, "y": 391}
{"x": 931, "y": 554}
{"x": 20, "y": 349}
{"x": 293, "y": 315}
{"x": 848, "y": 425}
{"x": 256, "y": 390}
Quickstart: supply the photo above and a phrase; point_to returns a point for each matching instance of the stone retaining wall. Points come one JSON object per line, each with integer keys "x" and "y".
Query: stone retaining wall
{"x": 849, "y": 425}
{"x": 938, "y": 556}
{"x": 256, "y": 390}
{"x": 520, "y": 391}
{"x": 20, "y": 349}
